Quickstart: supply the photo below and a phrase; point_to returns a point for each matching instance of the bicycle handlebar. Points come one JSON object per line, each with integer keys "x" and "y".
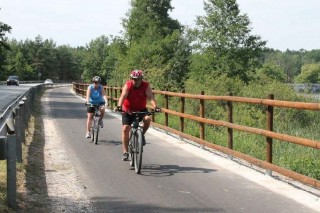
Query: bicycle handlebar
{"x": 93, "y": 105}
{"x": 138, "y": 112}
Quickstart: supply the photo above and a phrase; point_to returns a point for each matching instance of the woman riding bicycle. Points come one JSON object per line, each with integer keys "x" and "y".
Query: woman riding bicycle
{"x": 95, "y": 95}
{"x": 134, "y": 96}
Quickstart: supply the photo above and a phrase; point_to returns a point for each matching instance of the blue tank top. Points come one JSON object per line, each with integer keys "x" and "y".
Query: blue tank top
{"x": 95, "y": 95}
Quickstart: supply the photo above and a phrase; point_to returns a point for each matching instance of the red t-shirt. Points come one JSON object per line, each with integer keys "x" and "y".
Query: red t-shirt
{"x": 137, "y": 98}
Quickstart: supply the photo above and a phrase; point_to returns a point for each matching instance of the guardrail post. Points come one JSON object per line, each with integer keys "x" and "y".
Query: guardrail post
{"x": 17, "y": 126}
{"x": 26, "y": 109}
{"x": 3, "y": 147}
{"x": 270, "y": 128}
{"x": 230, "y": 120}
{"x": 11, "y": 170}
{"x": 23, "y": 120}
{"x": 11, "y": 164}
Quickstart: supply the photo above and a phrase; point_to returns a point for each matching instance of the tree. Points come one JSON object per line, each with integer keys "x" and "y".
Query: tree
{"x": 310, "y": 73}
{"x": 112, "y": 62}
{"x": 223, "y": 36}
{"x": 97, "y": 51}
{"x": 4, "y": 28}
{"x": 155, "y": 44}
{"x": 4, "y": 47}
{"x": 67, "y": 65}
{"x": 155, "y": 16}
{"x": 270, "y": 72}
{"x": 289, "y": 61}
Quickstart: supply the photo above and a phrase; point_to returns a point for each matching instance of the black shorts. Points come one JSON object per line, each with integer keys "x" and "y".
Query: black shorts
{"x": 127, "y": 119}
{"x": 90, "y": 109}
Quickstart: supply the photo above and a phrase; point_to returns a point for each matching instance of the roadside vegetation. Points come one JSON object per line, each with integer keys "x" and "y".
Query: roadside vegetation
{"x": 218, "y": 55}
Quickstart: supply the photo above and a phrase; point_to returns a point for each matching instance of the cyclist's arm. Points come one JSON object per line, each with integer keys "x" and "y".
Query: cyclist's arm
{"x": 88, "y": 95}
{"x": 124, "y": 94}
{"x": 150, "y": 97}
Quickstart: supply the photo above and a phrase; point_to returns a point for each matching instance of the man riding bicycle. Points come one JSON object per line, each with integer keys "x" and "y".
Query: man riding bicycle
{"x": 95, "y": 95}
{"x": 134, "y": 96}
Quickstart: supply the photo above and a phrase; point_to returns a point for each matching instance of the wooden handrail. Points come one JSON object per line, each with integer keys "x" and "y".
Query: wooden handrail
{"x": 112, "y": 93}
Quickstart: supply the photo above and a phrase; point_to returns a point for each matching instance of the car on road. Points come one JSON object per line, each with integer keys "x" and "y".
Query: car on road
{"x": 13, "y": 80}
{"x": 48, "y": 81}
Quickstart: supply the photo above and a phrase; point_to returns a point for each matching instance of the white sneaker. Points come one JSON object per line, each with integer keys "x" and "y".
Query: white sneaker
{"x": 101, "y": 123}
{"x": 88, "y": 135}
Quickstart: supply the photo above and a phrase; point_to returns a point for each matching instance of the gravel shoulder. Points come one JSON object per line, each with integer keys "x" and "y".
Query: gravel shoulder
{"x": 49, "y": 182}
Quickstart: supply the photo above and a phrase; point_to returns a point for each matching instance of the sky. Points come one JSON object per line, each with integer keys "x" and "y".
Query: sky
{"x": 284, "y": 24}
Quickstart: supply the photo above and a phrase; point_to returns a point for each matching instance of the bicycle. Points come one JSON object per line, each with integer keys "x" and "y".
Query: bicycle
{"x": 137, "y": 140}
{"x": 95, "y": 127}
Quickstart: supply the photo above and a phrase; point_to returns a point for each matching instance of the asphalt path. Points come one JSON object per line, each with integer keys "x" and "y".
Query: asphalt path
{"x": 175, "y": 176}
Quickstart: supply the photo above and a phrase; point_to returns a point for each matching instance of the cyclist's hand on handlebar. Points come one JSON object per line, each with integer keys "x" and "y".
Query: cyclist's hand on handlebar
{"x": 157, "y": 109}
{"x": 118, "y": 109}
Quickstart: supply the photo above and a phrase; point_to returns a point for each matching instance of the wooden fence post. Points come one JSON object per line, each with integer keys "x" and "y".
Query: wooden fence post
{"x": 183, "y": 100}
{"x": 202, "y": 136}
{"x": 115, "y": 95}
{"x": 167, "y": 107}
{"x": 230, "y": 120}
{"x": 111, "y": 98}
{"x": 270, "y": 128}
{"x": 153, "y": 117}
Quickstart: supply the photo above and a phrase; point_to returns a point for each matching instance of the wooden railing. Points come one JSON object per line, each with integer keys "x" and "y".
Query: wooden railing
{"x": 113, "y": 94}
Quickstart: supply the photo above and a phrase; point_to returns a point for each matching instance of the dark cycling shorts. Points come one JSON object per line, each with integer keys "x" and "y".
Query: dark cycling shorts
{"x": 127, "y": 119}
{"x": 90, "y": 109}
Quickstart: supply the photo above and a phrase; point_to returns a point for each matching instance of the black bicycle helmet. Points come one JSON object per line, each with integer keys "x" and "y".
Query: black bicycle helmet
{"x": 96, "y": 79}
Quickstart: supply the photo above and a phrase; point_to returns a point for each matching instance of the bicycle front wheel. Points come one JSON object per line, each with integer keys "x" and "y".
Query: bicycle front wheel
{"x": 138, "y": 151}
{"x": 131, "y": 149}
{"x": 96, "y": 130}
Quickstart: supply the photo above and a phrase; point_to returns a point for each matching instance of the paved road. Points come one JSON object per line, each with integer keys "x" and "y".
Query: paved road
{"x": 176, "y": 177}
{"x": 10, "y": 93}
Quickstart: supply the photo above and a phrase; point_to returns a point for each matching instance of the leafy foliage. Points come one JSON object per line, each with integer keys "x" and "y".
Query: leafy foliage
{"x": 223, "y": 36}
{"x": 155, "y": 44}
{"x": 309, "y": 73}
{"x": 4, "y": 46}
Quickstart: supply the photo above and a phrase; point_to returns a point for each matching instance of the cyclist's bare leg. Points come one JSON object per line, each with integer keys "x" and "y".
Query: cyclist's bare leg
{"x": 125, "y": 137}
{"x": 102, "y": 111}
{"x": 146, "y": 123}
{"x": 89, "y": 121}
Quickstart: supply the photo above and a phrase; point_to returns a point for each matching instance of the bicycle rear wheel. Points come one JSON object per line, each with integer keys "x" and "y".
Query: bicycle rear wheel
{"x": 138, "y": 151}
{"x": 92, "y": 131}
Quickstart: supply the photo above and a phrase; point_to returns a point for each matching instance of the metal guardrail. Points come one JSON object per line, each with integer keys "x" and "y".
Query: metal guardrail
{"x": 37, "y": 82}
{"x": 14, "y": 121}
